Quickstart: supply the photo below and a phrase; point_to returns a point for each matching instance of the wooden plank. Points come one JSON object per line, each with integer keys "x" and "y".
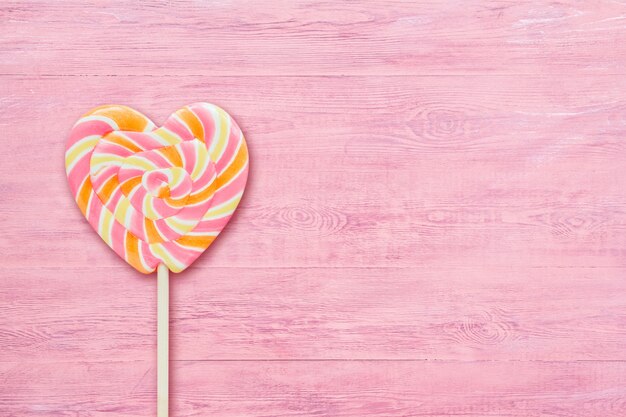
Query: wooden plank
{"x": 434, "y": 224}
{"x": 388, "y": 171}
{"x": 312, "y": 37}
{"x": 475, "y": 313}
{"x": 342, "y": 389}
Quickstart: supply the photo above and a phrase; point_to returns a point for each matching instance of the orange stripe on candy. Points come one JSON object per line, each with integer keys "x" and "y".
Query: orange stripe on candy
{"x": 192, "y": 121}
{"x": 172, "y": 155}
{"x": 125, "y": 117}
{"x": 235, "y": 167}
{"x": 129, "y": 185}
{"x": 151, "y": 232}
{"x": 176, "y": 203}
{"x": 122, "y": 141}
{"x": 132, "y": 252}
{"x": 202, "y": 195}
{"x": 200, "y": 242}
{"x": 82, "y": 198}
{"x": 107, "y": 189}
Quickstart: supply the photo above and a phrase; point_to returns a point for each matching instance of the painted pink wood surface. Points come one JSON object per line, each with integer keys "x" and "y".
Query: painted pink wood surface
{"x": 321, "y": 313}
{"x": 434, "y": 223}
{"x": 396, "y": 37}
{"x": 322, "y": 388}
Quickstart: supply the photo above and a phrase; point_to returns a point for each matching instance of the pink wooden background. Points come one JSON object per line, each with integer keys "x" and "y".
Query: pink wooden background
{"x": 435, "y": 223}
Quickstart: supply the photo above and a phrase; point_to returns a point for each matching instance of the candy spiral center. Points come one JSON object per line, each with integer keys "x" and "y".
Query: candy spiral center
{"x": 171, "y": 182}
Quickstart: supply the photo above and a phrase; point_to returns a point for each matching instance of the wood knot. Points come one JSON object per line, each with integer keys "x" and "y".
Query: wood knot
{"x": 439, "y": 126}
{"x": 485, "y": 328}
{"x": 311, "y": 220}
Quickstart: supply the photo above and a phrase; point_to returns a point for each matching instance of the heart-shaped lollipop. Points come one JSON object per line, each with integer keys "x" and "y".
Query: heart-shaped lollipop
{"x": 157, "y": 195}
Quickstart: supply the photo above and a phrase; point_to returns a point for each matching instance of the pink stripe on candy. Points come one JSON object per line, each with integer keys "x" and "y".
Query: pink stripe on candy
{"x": 175, "y": 126}
{"x": 228, "y": 154}
{"x": 78, "y": 173}
{"x": 112, "y": 148}
{"x": 224, "y": 194}
{"x": 189, "y": 150}
{"x": 167, "y": 232}
{"x": 214, "y": 225}
{"x": 145, "y": 140}
{"x": 126, "y": 173}
{"x": 207, "y": 177}
{"x": 117, "y": 239}
{"x": 151, "y": 261}
{"x": 95, "y": 209}
{"x": 206, "y": 117}
{"x": 87, "y": 128}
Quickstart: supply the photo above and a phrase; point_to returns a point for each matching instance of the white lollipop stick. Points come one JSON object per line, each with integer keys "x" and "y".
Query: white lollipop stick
{"x": 163, "y": 298}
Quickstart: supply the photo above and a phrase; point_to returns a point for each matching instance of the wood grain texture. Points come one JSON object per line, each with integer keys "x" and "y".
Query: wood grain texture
{"x": 319, "y": 313}
{"x": 328, "y": 388}
{"x": 313, "y": 37}
{"x": 368, "y": 171}
{"x": 434, "y": 224}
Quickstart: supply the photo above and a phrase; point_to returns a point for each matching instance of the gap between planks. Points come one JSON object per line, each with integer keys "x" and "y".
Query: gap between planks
{"x": 320, "y": 75}
{"x": 378, "y": 360}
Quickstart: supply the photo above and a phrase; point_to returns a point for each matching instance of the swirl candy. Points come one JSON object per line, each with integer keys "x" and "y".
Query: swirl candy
{"x": 157, "y": 195}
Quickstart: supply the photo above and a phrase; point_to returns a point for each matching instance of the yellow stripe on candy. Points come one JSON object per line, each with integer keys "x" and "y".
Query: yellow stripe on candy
{"x": 148, "y": 208}
{"x": 223, "y": 209}
{"x": 202, "y": 160}
{"x": 101, "y": 161}
{"x": 180, "y": 226}
{"x": 171, "y": 262}
{"x": 105, "y": 223}
{"x": 140, "y": 163}
{"x": 79, "y": 149}
{"x": 121, "y": 212}
{"x": 222, "y": 129}
{"x": 165, "y": 136}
